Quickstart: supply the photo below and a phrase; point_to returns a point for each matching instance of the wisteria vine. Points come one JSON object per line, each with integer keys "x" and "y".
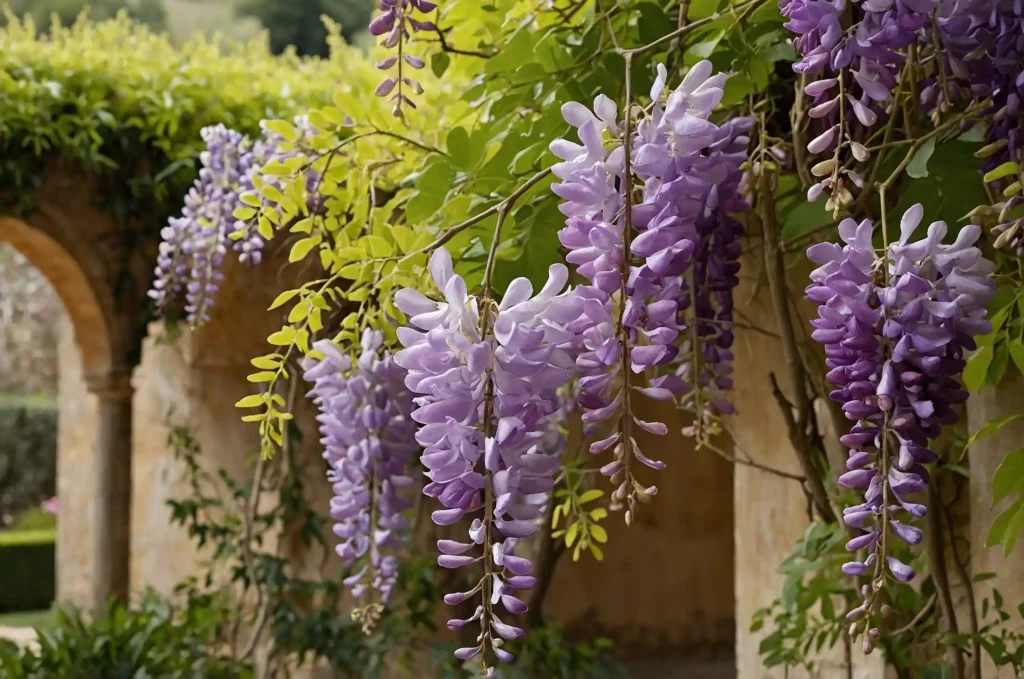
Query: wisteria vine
{"x": 650, "y": 195}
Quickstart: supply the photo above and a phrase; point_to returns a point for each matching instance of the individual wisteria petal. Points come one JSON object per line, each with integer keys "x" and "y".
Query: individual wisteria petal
{"x": 368, "y": 438}
{"x": 895, "y": 327}
{"x": 491, "y": 404}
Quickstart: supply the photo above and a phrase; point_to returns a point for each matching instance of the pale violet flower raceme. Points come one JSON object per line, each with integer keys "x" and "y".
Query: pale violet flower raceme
{"x": 194, "y": 245}
{"x": 484, "y": 402}
{"x": 895, "y": 328}
{"x": 368, "y": 437}
{"x": 636, "y": 317}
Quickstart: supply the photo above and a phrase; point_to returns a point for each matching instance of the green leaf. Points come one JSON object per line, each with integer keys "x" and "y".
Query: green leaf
{"x": 282, "y": 337}
{"x": 701, "y": 9}
{"x": 283, "y": 298}
{"x": 1009, "y": 476}
{"x": 439, "y": 63}
{"x": 457, "y": 145}
{"x": 1004, "y": 170}
{"x": 571, "y": 533}
{"x": 918, "y": 167}
{"x": 803, "y": 218}
{"x": 302, "y": 248}
{"x": 992, "y": 427}
{"x": 271, "y": 362}
{"x": 1006, "y": 528}
{"x": 977, "y": 368}
{"x": 998, "y": 367}
{"x": 599, "y": 533}
{"x": 250, "y": 401}
{"x": 266, "y": 376}
{"x": 283, "y": 128}
{"x": 378, "y": 246}
{"x": 590, "y": 496}
{"x": 1017, "y": 354}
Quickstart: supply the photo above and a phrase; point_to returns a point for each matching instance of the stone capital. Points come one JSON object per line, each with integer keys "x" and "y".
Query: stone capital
{"x": 112, "y": 384}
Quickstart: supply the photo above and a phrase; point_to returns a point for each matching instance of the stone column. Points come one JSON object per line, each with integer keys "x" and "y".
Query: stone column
{"x": 112, "y": 518}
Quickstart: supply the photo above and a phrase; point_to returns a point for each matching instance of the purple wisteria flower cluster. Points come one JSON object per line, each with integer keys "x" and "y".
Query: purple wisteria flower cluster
{"x": 487, "y": 377}
{"x": 851, "y": 73}
{"x": 895, "y": 328}
{"x": 193, "y": 246}
{"x": 368, "y": 438}
{"x": 396, "y": 23}
{"x": 639, "y": 256}
{"x": 942, "y": 54}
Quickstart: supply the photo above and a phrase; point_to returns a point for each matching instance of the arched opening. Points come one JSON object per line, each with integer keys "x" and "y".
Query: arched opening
{"x": 31, "y": 314}
{"x": 663, "y": 592}
{"x": 59, "y": 314}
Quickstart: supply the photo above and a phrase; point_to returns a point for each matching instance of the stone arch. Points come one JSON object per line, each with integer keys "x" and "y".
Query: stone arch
{"x": 71, "y": 244}
{"x": 72, "y": 285}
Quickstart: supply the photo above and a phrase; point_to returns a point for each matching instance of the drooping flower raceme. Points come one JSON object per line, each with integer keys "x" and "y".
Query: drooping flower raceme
{"x": 487, "y": 382}
{"x": 194, "y": 245}
{"x": 396, "y": 23}
{"x": 895, "y": 329}
{"x": 634, "y": 315}
{"x": 368, "y": 437}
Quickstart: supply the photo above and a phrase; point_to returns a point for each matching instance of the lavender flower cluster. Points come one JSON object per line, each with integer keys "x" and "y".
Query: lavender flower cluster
{"x": 959, "y": 52}
{"x": 895, "y": 329}
{"x": 487, "y": 382}
{"x": 635, "y": 314}
{"x": 193, "y": 246}
{"x": 368, "y": 435}
{"x": 395, "y": 23}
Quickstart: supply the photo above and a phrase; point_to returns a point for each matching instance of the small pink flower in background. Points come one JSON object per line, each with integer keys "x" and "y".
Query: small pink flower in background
{"x": 50, "y": 506}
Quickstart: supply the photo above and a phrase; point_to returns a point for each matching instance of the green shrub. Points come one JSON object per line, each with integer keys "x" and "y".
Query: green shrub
{"x": 153, "y": 639}
{"x": 28, "y": 454}
{"x": 27, "y": 571}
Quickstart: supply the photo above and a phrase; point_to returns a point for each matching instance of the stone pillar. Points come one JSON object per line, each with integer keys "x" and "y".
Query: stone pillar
{"x": 984, "y": 458}
{"x": 112, "y": 515}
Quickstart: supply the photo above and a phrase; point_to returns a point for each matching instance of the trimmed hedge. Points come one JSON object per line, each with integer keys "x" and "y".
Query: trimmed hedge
{"x": 27, "y": 570}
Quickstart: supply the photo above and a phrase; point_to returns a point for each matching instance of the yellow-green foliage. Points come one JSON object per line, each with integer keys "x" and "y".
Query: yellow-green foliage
{"x": 114, "y": 97}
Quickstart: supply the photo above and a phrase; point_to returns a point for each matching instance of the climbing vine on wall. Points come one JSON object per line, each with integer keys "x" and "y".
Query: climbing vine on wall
{"x": 642, "y": 151}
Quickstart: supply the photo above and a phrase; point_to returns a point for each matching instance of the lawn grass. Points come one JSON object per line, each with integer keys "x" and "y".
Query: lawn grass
{"x": 33, "y": 619}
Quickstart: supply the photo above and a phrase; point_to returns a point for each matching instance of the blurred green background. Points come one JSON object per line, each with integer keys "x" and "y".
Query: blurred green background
{"x": 289, "y": 22}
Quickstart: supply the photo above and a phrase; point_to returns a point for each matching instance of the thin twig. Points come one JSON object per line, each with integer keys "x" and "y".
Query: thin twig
{"x": 796, "y": 425}
{"x": 453, "y": 231}
{"x": 937, "y": 556}
{"x": 443, "y": 41}
{"x": 688, "y": 28}
{"x": 960, "y": 567}
{"x": 410, "y": 141}
{"x": 754, "y": 464}
{"x": 286, "y": 451}
{"x": 918, "y": 619}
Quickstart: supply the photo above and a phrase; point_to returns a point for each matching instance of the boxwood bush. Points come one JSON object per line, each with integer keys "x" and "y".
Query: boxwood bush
{"x": 27, "y": 571}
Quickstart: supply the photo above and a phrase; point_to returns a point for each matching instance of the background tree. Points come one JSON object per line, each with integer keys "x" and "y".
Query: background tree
{"x": 300, "y": 23}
